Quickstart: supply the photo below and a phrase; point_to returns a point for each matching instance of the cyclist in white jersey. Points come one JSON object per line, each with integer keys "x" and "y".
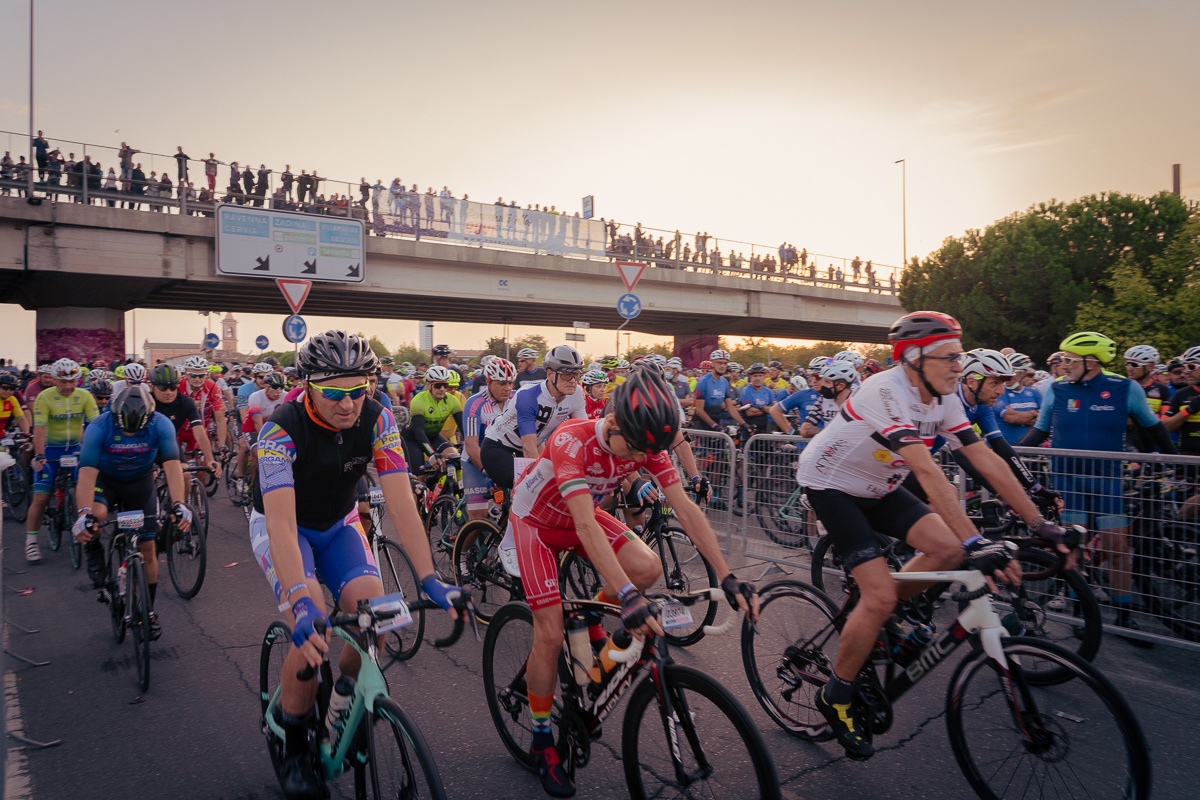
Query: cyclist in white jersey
{"x": 852, "y": 473}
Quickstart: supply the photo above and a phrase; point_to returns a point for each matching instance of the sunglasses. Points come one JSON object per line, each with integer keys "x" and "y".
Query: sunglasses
{"x": 194, "y": 376}
{"x": 608, "y": 441}
{"x": 165, "y": 387}
{"x": 337, "y": 393}
{"x": 439, "y": 385}
{"x": 1067, "y": 361}
{"x": 573, "y": 377}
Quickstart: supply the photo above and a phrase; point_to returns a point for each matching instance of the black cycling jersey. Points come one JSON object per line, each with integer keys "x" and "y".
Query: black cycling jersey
{"x": 182, "y": 410}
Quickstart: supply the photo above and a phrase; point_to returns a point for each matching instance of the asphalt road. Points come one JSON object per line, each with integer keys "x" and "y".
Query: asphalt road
{"x": 195, "y": 733}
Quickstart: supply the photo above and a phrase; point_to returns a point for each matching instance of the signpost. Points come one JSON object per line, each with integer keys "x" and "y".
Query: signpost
{"x": 576, "y": 337}
{"x": 211, "y": 341}
{"x": 262, "y": 342}
{"x": 295, "y": 329}
{"x": 629, "y": 306}
{"x": 262, "y": 243}
{"x": 578, "y": 324}
{"x": 589, "y": 206}
{"x": 631, "y": 273}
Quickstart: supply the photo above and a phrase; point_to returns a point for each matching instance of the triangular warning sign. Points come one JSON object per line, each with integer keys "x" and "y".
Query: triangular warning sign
{"x": 295, "y": 291}
{"x": 631, "y": 272}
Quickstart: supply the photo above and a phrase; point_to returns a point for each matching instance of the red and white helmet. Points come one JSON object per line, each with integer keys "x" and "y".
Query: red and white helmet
{"x": 135, "y": 373}
{"x": 718, "y": 355}
{"x": 500, "y": 369}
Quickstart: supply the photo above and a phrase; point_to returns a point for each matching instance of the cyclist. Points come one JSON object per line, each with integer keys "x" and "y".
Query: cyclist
{"x": 479, "y": 412}
{"x": 1016, "y": 409}
{"x": 673, "y": 373}
{"x": 305, "y": 524}
{"x": 1182, "y": 414}
{"x": 258, "y": 374}
{"x": 130, "y": 375}
{"x": 59, "y": 414}
{"x": 101, "y": 390}
{"x": 10, "y": 406}
{"x": 207, "y": 396}
{"x": 800, "y": 401}
{"x": 1089, "y": 409}
{"x": 715, "y": 407}
{"x": 852, "y": 472}
{"x": 182, "y": 413}
{"x": 428, "y": 412}
{"x": 527, "y": 369}
{"x": 775, "y": 380}
{"x": 42, "y": 381}
{"x": 532, "y": 414}
{"x": 835, "y": 383}
{"x": 756, "y": 399}
{"x": 117, "y": 466}
{"x": 736, "y": 380}
{"x": 554, "y": 510}
{"x": 594, "y": 384}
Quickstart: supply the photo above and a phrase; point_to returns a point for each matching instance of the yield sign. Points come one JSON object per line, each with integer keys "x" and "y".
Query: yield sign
{"x": 295, "y": 291}
{"x": 631, "y": 272}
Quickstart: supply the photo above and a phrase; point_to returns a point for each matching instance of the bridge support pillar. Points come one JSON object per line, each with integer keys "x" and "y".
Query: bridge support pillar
{"x": 82, "y": 334}
{"x": 693, "y": 349}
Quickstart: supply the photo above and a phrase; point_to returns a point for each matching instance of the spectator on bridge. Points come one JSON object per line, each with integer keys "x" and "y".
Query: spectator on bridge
{"x": 41, "y": 150}
{"x": 125, "y": 158}
{"x": 181, "y": 163}
{"x": 892, "y": 282}
{"x": 260, "y": 187}
{"x": 53, "y": 173}
{"x": 285, "y": 182}
{"x": 856, "y": 268}
{"x": 464, "y": 206}
{"x": 137, "y": 184}
{"x": 210, "y": 172}
{"x": 364, "y": 189}
{"x": 446, "y": 207}
{"x": 804, "y": 256}
{"x": 6, "y": 172}
{"x": 235, "y": 174}
{"x": 314, "y": 183}
{"x": 248, "y": 180}
{"x": 110, "y": 187}
{"x": 302, "y": 185}
{"x": 377, "y": 193}
{"x": 164, "y": 189}
{"x": 21, "y": 173}
{"x": 840, "y": 276}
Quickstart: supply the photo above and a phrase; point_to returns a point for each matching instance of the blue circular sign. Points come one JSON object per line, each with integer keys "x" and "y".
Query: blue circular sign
{"x": 261, "y": 342}
{"x": 629, "y": 306}
{"x": 211, "y": 341}
{"x": 295, "y": 329}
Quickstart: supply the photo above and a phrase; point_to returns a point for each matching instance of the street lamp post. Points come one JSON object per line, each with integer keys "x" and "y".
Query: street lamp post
{"x": 904, "y": 208}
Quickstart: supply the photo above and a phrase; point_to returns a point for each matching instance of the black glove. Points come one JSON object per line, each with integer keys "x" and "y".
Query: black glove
{"x": 734, "y": 587}
{"x": 988, "y": 557}
{"x": 1045, "y": 498}
{"x": 701, "y": 487}
{"x": 635, "y": 610}
{"x": 715, "y": 427}
{"x": 1055, "y": 534}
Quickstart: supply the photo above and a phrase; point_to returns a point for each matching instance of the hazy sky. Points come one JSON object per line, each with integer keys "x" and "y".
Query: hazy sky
{"x": 754, "y": 121}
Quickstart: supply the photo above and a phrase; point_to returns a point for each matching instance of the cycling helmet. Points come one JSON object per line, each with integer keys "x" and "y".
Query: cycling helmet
{"x": 437, "y": 375}
{"x": 706, "y": 365}
{"x": 983, "y": 363}
{"x": 195, "y": 363}
{"x": 656, "y": 358}
{"x": 646, "y": 412}
{"x": 215, "y": 368}
{"x": 500, "y": 369}
{"x": 455, "y": 378}
{"x": 133, "y": 408}
{"x": 387, "y": 361}
{"x": 100, "y": 388}
{"x": 165, "y": 376}
{"x": 100, "y": 375}
{"x": 1041, "y": 375}
{"x": 1020, "y": 362}
{"x": 839, "y": 371}
{"x": 1055, "y": 358}
{"x": 65, "y": 370}
{"x": 873, "y": 367}
{"x": 647, "y": 364}
{"x": 756, "y": 369}
{"x": 735, "y": 366}
{"x": 851, "y": 356}
{"x": 563, "y": 358}
{"x": 593, "y": 377}
{"x": 675, "y": 363}
{"x": 776, "y": 364}
{"x": 609, "y": 362}
{"x": 718, "y": 355}
{"x": 527, "y": 353}
{"x": 289, "y": 372}
{"x": 8, "y": 380}
{"x": 136, "y": 373}
{"x": 622, "y": 364}
{"x": 441, "y": 350}
{"x": 1090, "y": 343}
{"x": 1191, "y": 355}
{"x": 1142, "y": 354}
{"x": 44, "y": 369}
{"x": 335, "y": 354}
{"x": 921, "y": 329}
{"x": 262, "y": 368}
{"x": 274, "y": 380}
{"x": 406, "y": 365}
{"x": 800, "y": 382}
{"x": 271, "y": 360}
{"x": 818, "y": 362}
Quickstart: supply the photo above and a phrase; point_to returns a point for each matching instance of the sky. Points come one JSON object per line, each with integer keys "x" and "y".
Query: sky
{"x": 757, "y": 122}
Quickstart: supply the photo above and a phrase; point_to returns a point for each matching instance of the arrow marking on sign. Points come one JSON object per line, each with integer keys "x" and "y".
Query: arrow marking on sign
{"x": 264, "y": 264}
{"x": 353, "y": 272}
{"x": 310, "y": 268}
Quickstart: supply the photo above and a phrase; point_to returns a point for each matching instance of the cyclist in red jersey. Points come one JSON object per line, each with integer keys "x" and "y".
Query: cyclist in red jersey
{"x": 554, "y": 509}
{"x": 208, "y": 399}
{"x": 594, "y": 383}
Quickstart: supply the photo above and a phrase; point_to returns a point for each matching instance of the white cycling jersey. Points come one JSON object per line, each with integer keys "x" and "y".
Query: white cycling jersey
{"x": 856, "y": 453}
{"x": 531, "y": 409}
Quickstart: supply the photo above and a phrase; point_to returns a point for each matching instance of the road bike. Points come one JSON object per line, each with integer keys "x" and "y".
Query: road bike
{"x": 1012, "y": 735}
{"x": 701, "y": 741}
{"x": 444, "y": 511}
{"x": 374, "y": 738}
{"x": 124, "y": 588}
{"x": 186, "y": 551}
{"x": 398, "y": 574}
{"x": 60, "y": 510}
{"x": 477, "y": 561}
{"x": 15, "y": 485}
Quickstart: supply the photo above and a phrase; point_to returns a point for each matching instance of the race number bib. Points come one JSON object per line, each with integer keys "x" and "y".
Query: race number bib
{"x": 675, "y": 615}
{"x": 392, "y": 604}
{"x": 130, "y": 520}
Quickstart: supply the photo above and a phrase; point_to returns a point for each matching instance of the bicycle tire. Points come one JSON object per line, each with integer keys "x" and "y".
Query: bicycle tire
{"x": 16, "y": 493}
{"x": 54, "y": 519}
{"x": 1171, "y": 577}
{"x": 1053, "y": 730}
{"x": 276, "y": 645}
{"x": 476, "y": 564}
{"x": 116, "y": 595}
{"x": 506, "y": 648}
{"x": 399, "y": 575}
{"x": 210, "y": 483}
{"x": 409, "y": 773}
{"x": 686, "y": 570}
{"x": 442, "y": 527}
{"x": 138, "y": 599}
{"x": 187, "y": 557}
{"x": 646, "y": 745}
{"x": 768, "y": 512}
{"x": 788, "y": 655}
{"x": 198, "y": 500}
{"x": 235, "y": 497}
{"x": 577, "y": 577}
{"x": 247, "y": 504}
{"x": 74, "y": 548}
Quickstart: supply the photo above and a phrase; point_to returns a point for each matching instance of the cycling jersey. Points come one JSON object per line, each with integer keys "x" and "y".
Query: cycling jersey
{"x": 1157, "y": 396}
{"x": 182, "y": 413}
{"x": 1027, "y": 398}
{"x": 822, "y": 412}
{"x": 435, "y": 412}
{"x": 712, "y": 392}
{"x": 207, "y": 398}
{"x": 762, "y": 399}
{"x": 259, "y": 403}
{"x": 681, "y": 386}
{"x": 1092, "y": 415}
{"x": 800, "y": 401}
{"x": 983, "y": 417}
{"x": 479, "y": 412}
{"x": 64, "y": 417}
{"x": 595, "y": 408}
{"x": 611, "y": 386}
{"x": 125, "y": 456}
{"x": 532, "y": 376}
{"x": 1189, "y": 434}
{"x": 857, "y": 454}
{"x": 10, "y": 411}
{"x": 532, "y": 409}
{"x": 31, "y": 390}
{"x": 243, "y": 395}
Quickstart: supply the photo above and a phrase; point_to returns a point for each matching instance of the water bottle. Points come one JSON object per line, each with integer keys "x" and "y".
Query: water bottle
{"x": 494, "y": 512}
{"x": 908, "y": 647}
{"x": 121, "y": 580}
{"x": 580, "y": 645}
{"x": 339, "y": 707}
{"x": 620, "y": 640}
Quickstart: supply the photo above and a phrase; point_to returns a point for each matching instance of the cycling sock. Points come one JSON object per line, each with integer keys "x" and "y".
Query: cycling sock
{"x": 539, "y": 712}
{"x": 30, "y": 536}
{"x": 153, "y": 593}
{"x": 295, "y": 730}
{"x": 838, "y": 691}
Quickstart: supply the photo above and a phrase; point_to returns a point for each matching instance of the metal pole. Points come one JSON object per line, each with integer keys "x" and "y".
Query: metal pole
{"x": 904, "y": 208}
{"x": 29, "y": 177}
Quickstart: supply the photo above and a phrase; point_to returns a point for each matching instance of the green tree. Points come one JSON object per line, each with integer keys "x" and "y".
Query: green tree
{"x": 408, "y": 351}
{"x": 378, "y": 347}
{"x": 533, "y": 341}
{"x": 1019, "y": 282}
{"x": 644, "y": 350}
{"x": 496, "y": 346}
{"x": 286, "y": 358}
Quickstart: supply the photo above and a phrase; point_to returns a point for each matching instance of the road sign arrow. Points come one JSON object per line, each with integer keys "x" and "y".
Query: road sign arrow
{"x": 354, "y": 270}
{"x": 264, "y": 264}
{"x": 310, "y": 268}
{"x": 295, "y": 291}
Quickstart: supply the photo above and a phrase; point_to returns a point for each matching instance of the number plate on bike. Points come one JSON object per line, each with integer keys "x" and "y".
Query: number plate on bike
{"x": 394, "y": 606}
{"x": 130, "y": 520}
{"x": 376, "y": 496}
{"x": 675, "y": 615}
{"x": 68, "y": 461}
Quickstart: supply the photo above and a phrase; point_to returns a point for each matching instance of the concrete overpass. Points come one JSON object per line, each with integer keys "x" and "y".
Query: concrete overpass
{"x": 65, "y": 255}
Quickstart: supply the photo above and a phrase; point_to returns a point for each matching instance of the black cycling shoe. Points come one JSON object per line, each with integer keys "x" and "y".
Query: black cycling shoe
{"x": 299, "y": 780}
{"x": 841, "y": 722}
{"x": 95, "y": 562}
{"x": 555, "y": 780}
{"x": 155, "y": 628}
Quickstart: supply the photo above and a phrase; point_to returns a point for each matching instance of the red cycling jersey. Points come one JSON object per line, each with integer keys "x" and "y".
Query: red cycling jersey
{"x": 209, "y": 404}
{"x": 595, "y": 408}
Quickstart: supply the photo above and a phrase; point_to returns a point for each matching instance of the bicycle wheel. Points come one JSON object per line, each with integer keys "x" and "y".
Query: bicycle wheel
{"x": 685, "y": 570}
{"x": 187, "y": 557}
{"x": 476, "y": 560}
{"x": 210, "y": 483}
{"x": 506, "y": 648}
{"x": 231, "y": 489}
{"x": 16, "y": 493}
{"x": 1171, "y": 576}
{"x": 276, "y": 644}
{"x": 116, "y": 587}
{"x": 788, "y": 655}
{"x": 1013, "y": 738}
{"x": 138, "y": 599}
{"x": 399, "y": 575}
{"x": 247, "y": 504}
{"x": 721, "y": 752}
{"x": 54, "y": 519}
{"x": 779, "y": 513}
{"x": 442, "y": 527}
{"x": 68, "y": 516}
{"x": 1054, "y": 606}
{"x": 401, "y": 764}
{"x": 198, "y": 501}
{"x": 577, "y": 577}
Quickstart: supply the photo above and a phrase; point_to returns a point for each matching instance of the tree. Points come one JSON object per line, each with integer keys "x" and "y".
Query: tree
{"x": 534, "y": 342}
{"x": 1019, "y": 282}
{"x": 379, "y": 348}
{"x": 496, "y": 346}
{"x": 664, "y": 350}
{"x": 286, "y": 358}
{"x": 410, "y": 352}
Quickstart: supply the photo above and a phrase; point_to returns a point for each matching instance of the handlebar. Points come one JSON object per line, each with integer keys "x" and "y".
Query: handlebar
{"x": 631, "y": 653}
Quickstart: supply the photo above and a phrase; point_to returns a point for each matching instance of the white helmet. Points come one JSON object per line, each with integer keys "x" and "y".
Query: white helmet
{"x": 661, "y": 360}
{"x": 262, "y": 368}
{"x": 818, "y": 362}
{"x": 1021, "y": 362}
{"x": 1191, "y": 355}
{"x": 1041, "y": 375}
{"x": 437, "y": 375}
{"x": 735, "y": 366}
{"x": 65, "y": 370}
{"x": 839, "y": 371}
{"x": 800, "y": 382}
{"x": 718, "y": 355}
{"x": 527, "y": 352}
{"x": 195, "y": 363}
{"x": 44, "y": 369}
{"x": 622, "y": 364}
{"x": 675, "y": 362}
{"x": 984, "y": 363}
{"x": 500, "y": 369}
{"x": 1142, "y": 354}
{"x": 134, "y": 373}
{"x": 850, "y": 356}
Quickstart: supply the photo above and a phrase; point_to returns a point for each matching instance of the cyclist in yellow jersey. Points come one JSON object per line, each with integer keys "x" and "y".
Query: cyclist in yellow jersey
{"x": 59, "y": 414}
{"x": 775, "y": 380}
{"x": 428, "y": 412}
{"x": 450, "y": 426}
{"x": 736, "y": 381}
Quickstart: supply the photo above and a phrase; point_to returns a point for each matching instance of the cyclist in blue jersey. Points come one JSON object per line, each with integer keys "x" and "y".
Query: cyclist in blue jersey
{"x": 756, "y": 399}
{"x": 715, "y": 397}
{"x": 241, "y": 402}
{"x": 836, "y": 381}
{"x": 116, "y": 465}
{"x": 1089, "y": 410}
{"x": 800, "y": 401}
{"x": 480, "y": 411}
{"x": 1016, "y": 408}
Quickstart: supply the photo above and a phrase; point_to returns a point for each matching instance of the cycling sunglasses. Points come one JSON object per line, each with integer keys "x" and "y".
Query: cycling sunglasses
{"x": 336, "y": 393}
{"x": 438, "y": 385}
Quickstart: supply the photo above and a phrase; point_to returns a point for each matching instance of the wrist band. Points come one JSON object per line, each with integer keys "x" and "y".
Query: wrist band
{"x": 295, "y": 589}
{"x": 84, "y": 510}
{"x": 696, "y": 478}
{"x": 968, "y": 542}
{"x": 625, "y": 590}
{"x": 1037, "y": 487}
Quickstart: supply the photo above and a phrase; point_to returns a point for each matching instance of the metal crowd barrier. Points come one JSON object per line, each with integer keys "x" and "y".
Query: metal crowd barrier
{"x": 775, "y": 525}
{"x": 716, "y": 455}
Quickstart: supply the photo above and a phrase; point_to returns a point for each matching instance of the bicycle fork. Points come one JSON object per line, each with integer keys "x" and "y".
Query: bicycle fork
{"x": 676, "y": 714}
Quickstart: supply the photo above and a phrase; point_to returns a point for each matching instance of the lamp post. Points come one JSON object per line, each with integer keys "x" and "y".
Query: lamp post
{"x": 904, "y": 208}
{"x": 29, "y": 172}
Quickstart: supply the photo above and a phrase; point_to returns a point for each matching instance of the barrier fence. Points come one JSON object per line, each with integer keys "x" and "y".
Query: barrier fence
{"x": 716, "y": 454}
{"x": 1143, "y": 554}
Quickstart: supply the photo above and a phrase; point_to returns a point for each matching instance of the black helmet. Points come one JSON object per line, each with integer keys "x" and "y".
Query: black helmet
{"x": 274, "y": 362}
{"x": 756, "y": 369}
{"x": 776, "y": 364}
{"x": 648, "y": 366}
{"x": 98, "y": 388}
{"x": 387, "y": 361}
{"x": 441, "y": 350}
{"x": 273, "y": 380}
{"x": 133, "y": 407}
{"x": 165, "y": 376}
{"x": 334, "y": 354}
{"x": 646, "y": 411}
{"x": 563, "y": 358}
{"x": 8, "y": 380}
